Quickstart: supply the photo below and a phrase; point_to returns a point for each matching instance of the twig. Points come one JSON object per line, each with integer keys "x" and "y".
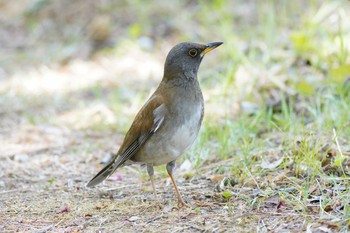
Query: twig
{"x": 48, "y": 228}
{"x": 154, "y": 219}
{"x": 256, "y": 183}
{"x": 102, "y": 222}
{"x": 121, "y": 187}
{"x": 341, "y": 153}
{"x": 45, "y": 229}
{"x": 337, "y": 143}
{"x": 10, "y": 191}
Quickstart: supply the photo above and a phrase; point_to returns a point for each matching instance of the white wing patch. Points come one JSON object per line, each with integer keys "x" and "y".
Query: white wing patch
{"x": 158, "y": 115}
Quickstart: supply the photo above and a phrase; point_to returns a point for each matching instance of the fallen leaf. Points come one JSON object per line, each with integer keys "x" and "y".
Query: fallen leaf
{"x": 64, "y": 210}
{"x": 117, "y": 177}
{"x": 227, "y": 195}
{"x": 226, "y": 182}
{"x": 217, "y": 178}
{"x": 271, "y": 165}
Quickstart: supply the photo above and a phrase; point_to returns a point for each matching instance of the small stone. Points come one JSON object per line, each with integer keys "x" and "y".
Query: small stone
{"x": 133, "y": 218}
{"x": 70, "y": 183}
{"x": 168, "y": 208}
{"x": 21, "y": 157}
{"x": 186, "y": 165}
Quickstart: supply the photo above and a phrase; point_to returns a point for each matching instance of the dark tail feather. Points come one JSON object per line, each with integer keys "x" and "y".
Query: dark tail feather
{"x": 103, "y": 174}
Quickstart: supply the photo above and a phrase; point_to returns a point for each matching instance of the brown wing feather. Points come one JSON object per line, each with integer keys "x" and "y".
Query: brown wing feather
{"x": 145, "y": 124}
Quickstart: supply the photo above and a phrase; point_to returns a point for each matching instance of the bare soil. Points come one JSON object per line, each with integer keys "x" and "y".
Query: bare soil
{"x": 43, "y": 190}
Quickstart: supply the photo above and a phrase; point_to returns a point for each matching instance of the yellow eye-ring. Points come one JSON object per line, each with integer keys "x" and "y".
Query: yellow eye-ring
{"x": 193, "y": 52}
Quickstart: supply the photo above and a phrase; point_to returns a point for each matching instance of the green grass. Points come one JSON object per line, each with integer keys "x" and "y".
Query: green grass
{"x": 289, "y": 61}
{"x": 302, "y": 124}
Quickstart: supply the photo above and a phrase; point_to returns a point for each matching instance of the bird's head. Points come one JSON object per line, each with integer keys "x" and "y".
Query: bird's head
{"x": 184, "y": 59}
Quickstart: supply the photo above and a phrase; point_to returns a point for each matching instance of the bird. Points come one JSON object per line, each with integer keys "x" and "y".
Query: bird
{"x": 169, "y": 121}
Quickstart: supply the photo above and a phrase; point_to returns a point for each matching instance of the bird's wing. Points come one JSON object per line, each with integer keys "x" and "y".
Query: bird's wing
{"x": 147, "y": 122}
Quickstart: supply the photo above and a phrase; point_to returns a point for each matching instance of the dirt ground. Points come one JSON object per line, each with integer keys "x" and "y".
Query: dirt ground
{"x": 64, "y": 103}
{"x": 44, "y": 191}
{"x": 51, "y": 144}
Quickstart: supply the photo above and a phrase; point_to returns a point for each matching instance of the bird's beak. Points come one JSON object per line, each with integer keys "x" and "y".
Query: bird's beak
{"x": 210, "y": 47}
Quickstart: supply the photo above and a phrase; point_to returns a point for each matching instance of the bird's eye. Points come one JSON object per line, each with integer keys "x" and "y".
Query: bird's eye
{"x": 193, "y": 52}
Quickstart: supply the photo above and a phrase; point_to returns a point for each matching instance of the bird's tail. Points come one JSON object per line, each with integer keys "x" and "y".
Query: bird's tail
{"x": 103, "y": 174}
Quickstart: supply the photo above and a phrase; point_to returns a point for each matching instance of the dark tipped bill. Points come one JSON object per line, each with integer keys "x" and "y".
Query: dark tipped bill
{"x": 210, "y": 47}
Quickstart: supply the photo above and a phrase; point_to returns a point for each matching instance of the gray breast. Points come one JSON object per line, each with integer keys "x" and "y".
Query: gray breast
{"x": 179, "y": 130}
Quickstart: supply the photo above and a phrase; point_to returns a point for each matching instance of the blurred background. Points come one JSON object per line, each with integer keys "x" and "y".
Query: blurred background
{"x": 73, "y": 74}
{"x": 87, "y": 64}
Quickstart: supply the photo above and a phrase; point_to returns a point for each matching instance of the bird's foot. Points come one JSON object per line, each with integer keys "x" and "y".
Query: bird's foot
{"x": 181, "y": 204}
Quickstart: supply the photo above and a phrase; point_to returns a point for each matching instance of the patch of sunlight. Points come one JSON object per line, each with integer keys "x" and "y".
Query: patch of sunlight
{"x": 116, "y": 70}
{"x": 29, "y": 139}
{"x": 11, "y": 8}
{"x": 91, "y": 116}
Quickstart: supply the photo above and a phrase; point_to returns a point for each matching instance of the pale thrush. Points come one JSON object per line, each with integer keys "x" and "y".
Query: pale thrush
{"x": 169, "y": 121}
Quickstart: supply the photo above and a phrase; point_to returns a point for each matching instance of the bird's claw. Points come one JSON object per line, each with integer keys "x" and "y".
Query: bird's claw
{"x": 181, "y": 204}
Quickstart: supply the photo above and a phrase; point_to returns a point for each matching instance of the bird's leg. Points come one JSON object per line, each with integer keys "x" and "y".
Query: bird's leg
{"x": 150, "y": 171}
{"x": 170, "y": 168}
